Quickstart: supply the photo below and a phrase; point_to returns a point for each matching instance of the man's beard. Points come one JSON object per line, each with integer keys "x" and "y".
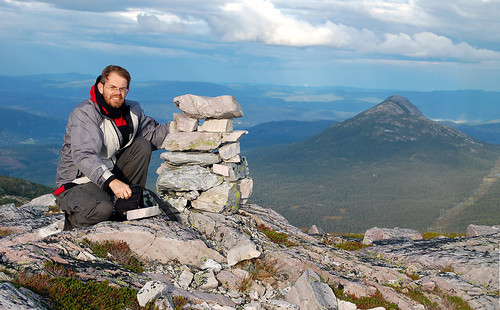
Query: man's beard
{"x": 116, "y": 101}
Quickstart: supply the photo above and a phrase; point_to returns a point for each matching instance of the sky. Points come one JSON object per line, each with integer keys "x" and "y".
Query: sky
{"x": 378, "y": 44}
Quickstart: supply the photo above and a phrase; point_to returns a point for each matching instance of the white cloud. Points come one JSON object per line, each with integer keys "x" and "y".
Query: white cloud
{"x": 260, "y": 20}
{"x": 430, "y": 45}
{"x": 265, "y": 35}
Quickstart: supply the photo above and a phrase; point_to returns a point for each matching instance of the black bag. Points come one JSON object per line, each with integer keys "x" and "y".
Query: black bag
{"x": 142, "y": 198}
{"x": 170, "y": 212}
{"x": 136, "y": 201}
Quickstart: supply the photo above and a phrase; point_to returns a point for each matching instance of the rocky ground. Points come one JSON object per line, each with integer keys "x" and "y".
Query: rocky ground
{"x": 252, "y": 259}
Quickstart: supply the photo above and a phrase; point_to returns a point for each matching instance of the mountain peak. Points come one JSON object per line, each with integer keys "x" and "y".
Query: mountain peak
{"x": 396, "y": 119}
{"x": 396, "y": 105}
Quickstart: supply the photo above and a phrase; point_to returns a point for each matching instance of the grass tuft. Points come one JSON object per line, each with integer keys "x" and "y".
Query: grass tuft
{"x": 277, "y": 237}
{"x": 258, "y": 269}
{"x": 118, "y": 251}
{"x": 432, "y": 235}
{"x": 5, "y": 232}
{"x": 352, "y": 245}
{"x": 367, "y": 302}
{"x": 179, "y": 302}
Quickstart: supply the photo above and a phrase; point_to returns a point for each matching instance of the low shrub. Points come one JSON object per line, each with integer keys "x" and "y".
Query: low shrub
{"x": 458, "y": 303}
{"x": 118, "y": 251}
{"x": 73, "y": 293}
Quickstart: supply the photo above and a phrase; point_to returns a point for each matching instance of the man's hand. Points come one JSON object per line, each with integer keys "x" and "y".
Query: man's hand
{"x": 120, "y": 189}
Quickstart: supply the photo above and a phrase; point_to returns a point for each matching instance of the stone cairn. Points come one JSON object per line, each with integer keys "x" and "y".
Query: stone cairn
{"x": 203, "y": 168}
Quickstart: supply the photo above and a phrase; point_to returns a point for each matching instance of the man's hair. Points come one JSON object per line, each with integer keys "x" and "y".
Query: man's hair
{"x": 118, "y": 70}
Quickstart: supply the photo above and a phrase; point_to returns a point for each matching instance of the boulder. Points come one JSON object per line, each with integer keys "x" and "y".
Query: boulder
{"x": 209, "y": 107}
{"x": 480, "y": 230}
{"x": 150, "y": 291}
{"x": 243, "y": 250}
{"x": 311, "y": 293}
{"x": 44, "y": 202}
{"x": 315, "y": 230}
{"x": 376, "y": 234}
{"x": 224, "y": 197}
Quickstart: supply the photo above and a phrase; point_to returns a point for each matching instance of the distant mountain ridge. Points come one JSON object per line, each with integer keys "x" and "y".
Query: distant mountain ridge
{"x": 56, "y": 94}
{"x": 389, "y": 165}
{"x": 397, "y": 119}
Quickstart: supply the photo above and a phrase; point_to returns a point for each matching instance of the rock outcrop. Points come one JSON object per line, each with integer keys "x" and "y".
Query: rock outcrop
{"x": 248, "y": 257}
{"x": 229, "y": 260}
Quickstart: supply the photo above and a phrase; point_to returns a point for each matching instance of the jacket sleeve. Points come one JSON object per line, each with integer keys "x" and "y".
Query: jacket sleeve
{"x": 151, "y": 130}
{"x": 87, "y": 144}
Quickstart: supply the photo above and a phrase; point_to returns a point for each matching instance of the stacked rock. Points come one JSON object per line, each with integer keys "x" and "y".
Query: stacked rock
{"x": 203, "y": 168}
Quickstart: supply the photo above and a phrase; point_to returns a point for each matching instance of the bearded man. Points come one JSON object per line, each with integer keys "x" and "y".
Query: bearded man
{"x": 107, "y": 147}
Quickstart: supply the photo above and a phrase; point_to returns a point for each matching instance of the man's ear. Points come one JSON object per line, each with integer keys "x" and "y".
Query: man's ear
{"x": 100, "y": 87}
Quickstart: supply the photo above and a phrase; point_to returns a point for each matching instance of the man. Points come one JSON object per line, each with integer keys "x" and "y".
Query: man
{"x": 107, "y": 147}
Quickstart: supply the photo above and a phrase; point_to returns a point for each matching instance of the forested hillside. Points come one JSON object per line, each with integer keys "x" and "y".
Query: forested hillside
{"x": 389, "y": 166}
{"x": 15, "y": 190}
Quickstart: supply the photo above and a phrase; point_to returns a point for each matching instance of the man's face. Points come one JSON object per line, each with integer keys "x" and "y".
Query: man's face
{"x": 114, "y": 90}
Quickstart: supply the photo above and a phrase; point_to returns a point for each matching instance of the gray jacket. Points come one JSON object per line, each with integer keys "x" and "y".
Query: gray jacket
{"x": 92, "y": 140}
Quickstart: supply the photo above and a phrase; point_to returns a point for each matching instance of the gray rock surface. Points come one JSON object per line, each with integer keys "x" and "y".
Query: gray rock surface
{"x": 204, "y": 245}
{"x": 310, "y": 293}
{"x": 12, "y": 298}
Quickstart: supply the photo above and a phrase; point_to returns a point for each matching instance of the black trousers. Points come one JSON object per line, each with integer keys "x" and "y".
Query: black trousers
{"x": 88, "y": 204}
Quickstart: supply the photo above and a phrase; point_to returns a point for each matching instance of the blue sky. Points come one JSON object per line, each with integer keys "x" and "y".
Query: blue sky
{"x": 382, "y": 44}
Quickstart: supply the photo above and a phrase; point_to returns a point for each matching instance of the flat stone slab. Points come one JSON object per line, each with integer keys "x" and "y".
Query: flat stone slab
{"x": 217, "y": 125}
{"x": 229, "y": 150}
{"x": 143, "y": 213}
{"x": 192, "y": 141}
{"x": 182, "y": 122}
{"x": 233, "y": 136}
{"x": 156, "y": 239}
{"x": 190, "y": 158}
{"x": 232, "y": 171}
{"x": 187, "y": 178}
{"x": 209, "y": 107}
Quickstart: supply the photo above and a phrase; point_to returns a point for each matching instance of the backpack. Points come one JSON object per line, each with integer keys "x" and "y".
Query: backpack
{"x": 143, "y": 198}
